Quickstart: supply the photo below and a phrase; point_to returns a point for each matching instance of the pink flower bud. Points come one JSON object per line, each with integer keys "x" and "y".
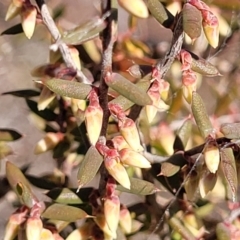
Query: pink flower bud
{"x": 130, "y": 133}
{"x": 116, "y": 169}
{"x": 132, "y": 158}
{"x": 111, "y": 212}
{"x": 117, "y": 111}
{"x": 29, "y": 16}
{"x": 119, "y": 143}
{"x": 125, "y": 221}
{"x": 34, "y": 227}
{"x": 164, "y": 89}
{"x": 15, "y": 220}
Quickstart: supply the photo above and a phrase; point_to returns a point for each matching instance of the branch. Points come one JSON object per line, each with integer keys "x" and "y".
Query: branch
{"x": 108, "y": 39}
{"x": 50, "y": 24}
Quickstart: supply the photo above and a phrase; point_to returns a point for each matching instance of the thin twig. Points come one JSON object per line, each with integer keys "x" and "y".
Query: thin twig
{"x": 108, "y": 39}
{"x": 50, "y": 24}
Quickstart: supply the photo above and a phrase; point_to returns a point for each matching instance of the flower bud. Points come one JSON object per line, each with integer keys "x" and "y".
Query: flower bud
{"x": 15, "y": 220}
{"x": 212, "y": 158}
{"x": 12, "y": 11}
{"x": 81, "y": 233}
{"x": 125, "y": 220}
{"x": 46, "y": 234}
{"x": 102, "y": 223}
{"x": 93, "y": 120}
{"x": 137, "y": 7}
{"x": 212, "y": 34}
{"x": 130, "y": 133}
{"x": 132, "y": 158}
{"x": 75, "y": 56}
{"x": 49, "y": 142}
{"x": 116, "y": 169}
{"x": 164, "y": 89}
{"x": 119, "y": 143}
{"x": 29, "y": 16}
{"x": 34, "y": 227}
{"x": 111, "y": 212}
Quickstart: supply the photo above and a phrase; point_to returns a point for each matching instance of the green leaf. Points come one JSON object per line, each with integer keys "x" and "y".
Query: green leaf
{"x": 20, "y": 184}
{"x": 84, "y": 32}
{"x": 202, "y": 66}
{"x": 183, "y": 135}
{"x": 191, "y": 186}
{"x": 192, "y": 21}
{"x": 64, "y": 213}
{"x": 169, "y": 169}
{"x": 46, "y": 114}
{"x": 25, "y": 195}
{"x": 89, "y": 166}
{"x": 207, "y": 182}
{"x": 140, "y": 187}
{"x": 26, "y": 93}
{"x": 231, "y": 130}
{"x": 9, "y": 134}
{"x": 200, "y": 115}
{"x": 124, "y": 102}
{"x": 68, "y": 88}
{"x": 160, "y": 13}
{"x": 70, "y": 196}
{"x": 228, "y": 165}
{"x": 16, "y": 29}
{"x": 128, "y": 90}
{"x": 64, "y": 195}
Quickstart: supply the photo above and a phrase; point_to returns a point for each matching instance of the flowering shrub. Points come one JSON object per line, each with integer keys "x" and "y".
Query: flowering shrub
{"x": 118, "y": 123}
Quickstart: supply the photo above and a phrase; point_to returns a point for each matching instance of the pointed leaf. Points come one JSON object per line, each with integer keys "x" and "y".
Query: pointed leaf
{"x": 191, "y": 186}
{"x": 66, "y": 196}
{"x": 16, "y": 29}
{"x": 25, "y": 194}
{"x": 20, "y": 184}
{"x": 228, "y": 165}
{"x": 84, "y": 32}
{"x": 9, "y": 134}
{"x": 160, "y": 13}
{"x": 46, "y": 114}
{"x": 207, "y": 183}
{"x": 231, "y": 130}
{"x": 202, "y": 66}
{"x": 64, "y": 213}
{"x": 89, "y": 166}
{"x": 192, "y": 21}
{"x": 68, "y": 88}
{"x": 70, "y": 196}
{"x": 183, "y": 135}
{"x": 45, "y": 98}
{"x": 169, "y": 169}
{"x": 140, "y": 187}
{"x": 200, "y": 115}
{"x": 128, "y": 90}
{"x": 124, "y": 102}
{"x": 26, "y": 93}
